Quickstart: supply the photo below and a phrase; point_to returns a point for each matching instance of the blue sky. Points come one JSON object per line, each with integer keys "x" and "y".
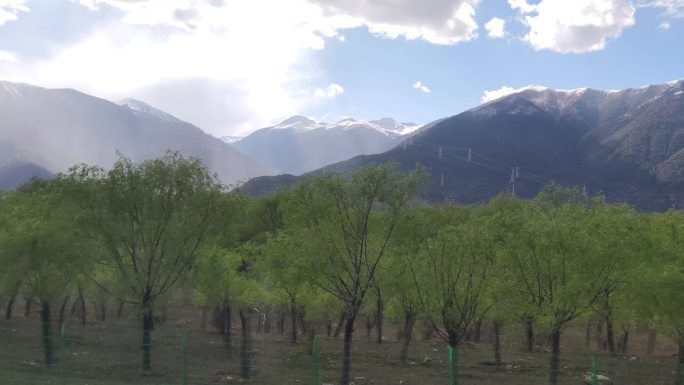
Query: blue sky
{"x": 233, "y": 66}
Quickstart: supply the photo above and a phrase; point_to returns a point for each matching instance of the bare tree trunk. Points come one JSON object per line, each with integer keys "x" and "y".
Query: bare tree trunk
{"x": 554, "y": 367}
{"x": 624, "y": 339}
{"x": 267, "y": 320}
{"x": 340, "y": 324}
{"x": 81, "y": 301}
{"x": 302, "y": 322}
{"x": 679, "y": 374}
{"x": 119, "y": 311}
{"x": 222, "y": 321}
{"x": 650, "y": 344}
{"x": 148, "y": 327}
{"x": 281, "y": 322}
{"x": 46, "y": 322}
{"x": 203, "y": 323}
{"x": 346, "y": 351}
{"x": 328, "y": 329}
{"x": 10, "y": 304}
{"x": 496, "y": 326}
{"x": 379, "y": 316}
{"x": 369, "y": 326}
{"x": 62, "y": 310}
{"x": 610, "y": 334}
{"x": 407, "y": 334}
{"x": 529, "y": 334}
{"x": 293, "y": 315}
{"x": 601, "y": 343}
{"x": 587, "y": 334}
{"x": 27, "y": 306}
{"x": 103, "y": 311}
{"x": 477, "y": 330}
{"x": 429, "y": 332}
{"x": 245, "y": 346}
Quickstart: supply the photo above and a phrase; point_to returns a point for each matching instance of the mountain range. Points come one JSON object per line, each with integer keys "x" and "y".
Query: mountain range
{"x": 46, "y": 131}
{"x": 626, "y": 145}
{"x": 299, "y": 144}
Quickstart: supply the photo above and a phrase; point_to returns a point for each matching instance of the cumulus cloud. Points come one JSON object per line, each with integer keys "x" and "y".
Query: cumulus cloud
{"x": 420, "y": 86}
{"x": 329, "y": 92}
{"x": 9, "y": 9}
{"x": 496, "y": 94}
{"x": 436, "y": 21}
{"x": 8, "y": 57}
{"x": 574, "y": 26}
{"x": 496, "y": 28}
{"x": 664, "y": 25}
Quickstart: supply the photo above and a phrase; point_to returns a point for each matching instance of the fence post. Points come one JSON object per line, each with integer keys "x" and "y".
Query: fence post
{"x": 62, "y": 352}
{"x": 315, "y": 365}
{"x": 452, "y": 366}
{"x": 184, "y": 359}
{"x": 594, "y": 377}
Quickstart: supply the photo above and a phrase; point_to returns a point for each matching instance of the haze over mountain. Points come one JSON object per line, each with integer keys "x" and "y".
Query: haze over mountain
{"x": 628, "y": 145}
{"x": 54, "y": 129}
{"x": 299, "y": 144}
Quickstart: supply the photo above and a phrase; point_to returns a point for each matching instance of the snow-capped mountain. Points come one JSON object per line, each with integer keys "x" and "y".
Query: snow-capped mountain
{"x": 299, "y": 144}
{"x": 53, "y": 129}
{"x": 627, "y": 145}
{"x": 142, "y": 108}
{"x": 231, "y": 139}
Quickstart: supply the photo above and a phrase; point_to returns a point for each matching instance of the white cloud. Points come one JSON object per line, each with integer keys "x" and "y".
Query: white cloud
{"x": 496, "y": 28}
{"x": 436, "y": 21}
{"x": 574, "y": 26}
{"x": 243, "y": 66}
{"x": 420, "y": 86}
{"x": 673, "y": 8}
{"x": 10, "y": 8}
{"x": 329, "y": 92}
{"x": 664, "y": 25}
{"x": 496, "y": 94}
{"x": 8, "y": 57}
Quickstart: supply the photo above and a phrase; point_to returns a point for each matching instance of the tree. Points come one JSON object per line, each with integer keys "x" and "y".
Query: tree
{"x": 351, "y": 221}
{"x": 562, "y": 274}
{"x": 152, "y": 218}
{"x": 663, "y": 280}
{"x": 453, "y": 277}
{"x": 45, "y": 248}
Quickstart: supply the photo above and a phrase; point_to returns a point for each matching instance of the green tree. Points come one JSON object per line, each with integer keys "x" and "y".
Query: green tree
{"x": 663, "y": 280}
{"x": 44, "y": 247}
{"x": 351, "y": 222}
{"x": 453, "y": 277}
{"x": 152, "y": 218}
{"x": 553, "y": 255}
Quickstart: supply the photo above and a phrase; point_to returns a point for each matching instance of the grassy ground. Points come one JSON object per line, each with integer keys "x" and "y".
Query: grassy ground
{"x": 108, "y": 353}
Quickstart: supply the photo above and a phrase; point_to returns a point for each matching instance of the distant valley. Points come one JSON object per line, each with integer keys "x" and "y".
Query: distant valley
{"x": 299, "y": 144}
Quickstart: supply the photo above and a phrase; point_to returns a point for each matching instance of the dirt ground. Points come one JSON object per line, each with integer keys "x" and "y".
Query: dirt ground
{"x": 108, "y": 353}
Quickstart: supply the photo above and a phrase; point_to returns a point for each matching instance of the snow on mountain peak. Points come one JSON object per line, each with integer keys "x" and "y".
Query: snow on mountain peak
{"x": 231, "y": 139}
{"x": 139, "y": 107}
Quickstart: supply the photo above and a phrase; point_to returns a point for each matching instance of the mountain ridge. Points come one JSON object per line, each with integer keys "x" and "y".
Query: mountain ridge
{"x": 628, "y": 145}
{"x": 299, "y": 144}
{"x": 57, "y": 128}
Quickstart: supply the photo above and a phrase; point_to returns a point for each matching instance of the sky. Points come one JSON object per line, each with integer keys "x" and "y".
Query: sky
{"x": 233, "y": 66}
